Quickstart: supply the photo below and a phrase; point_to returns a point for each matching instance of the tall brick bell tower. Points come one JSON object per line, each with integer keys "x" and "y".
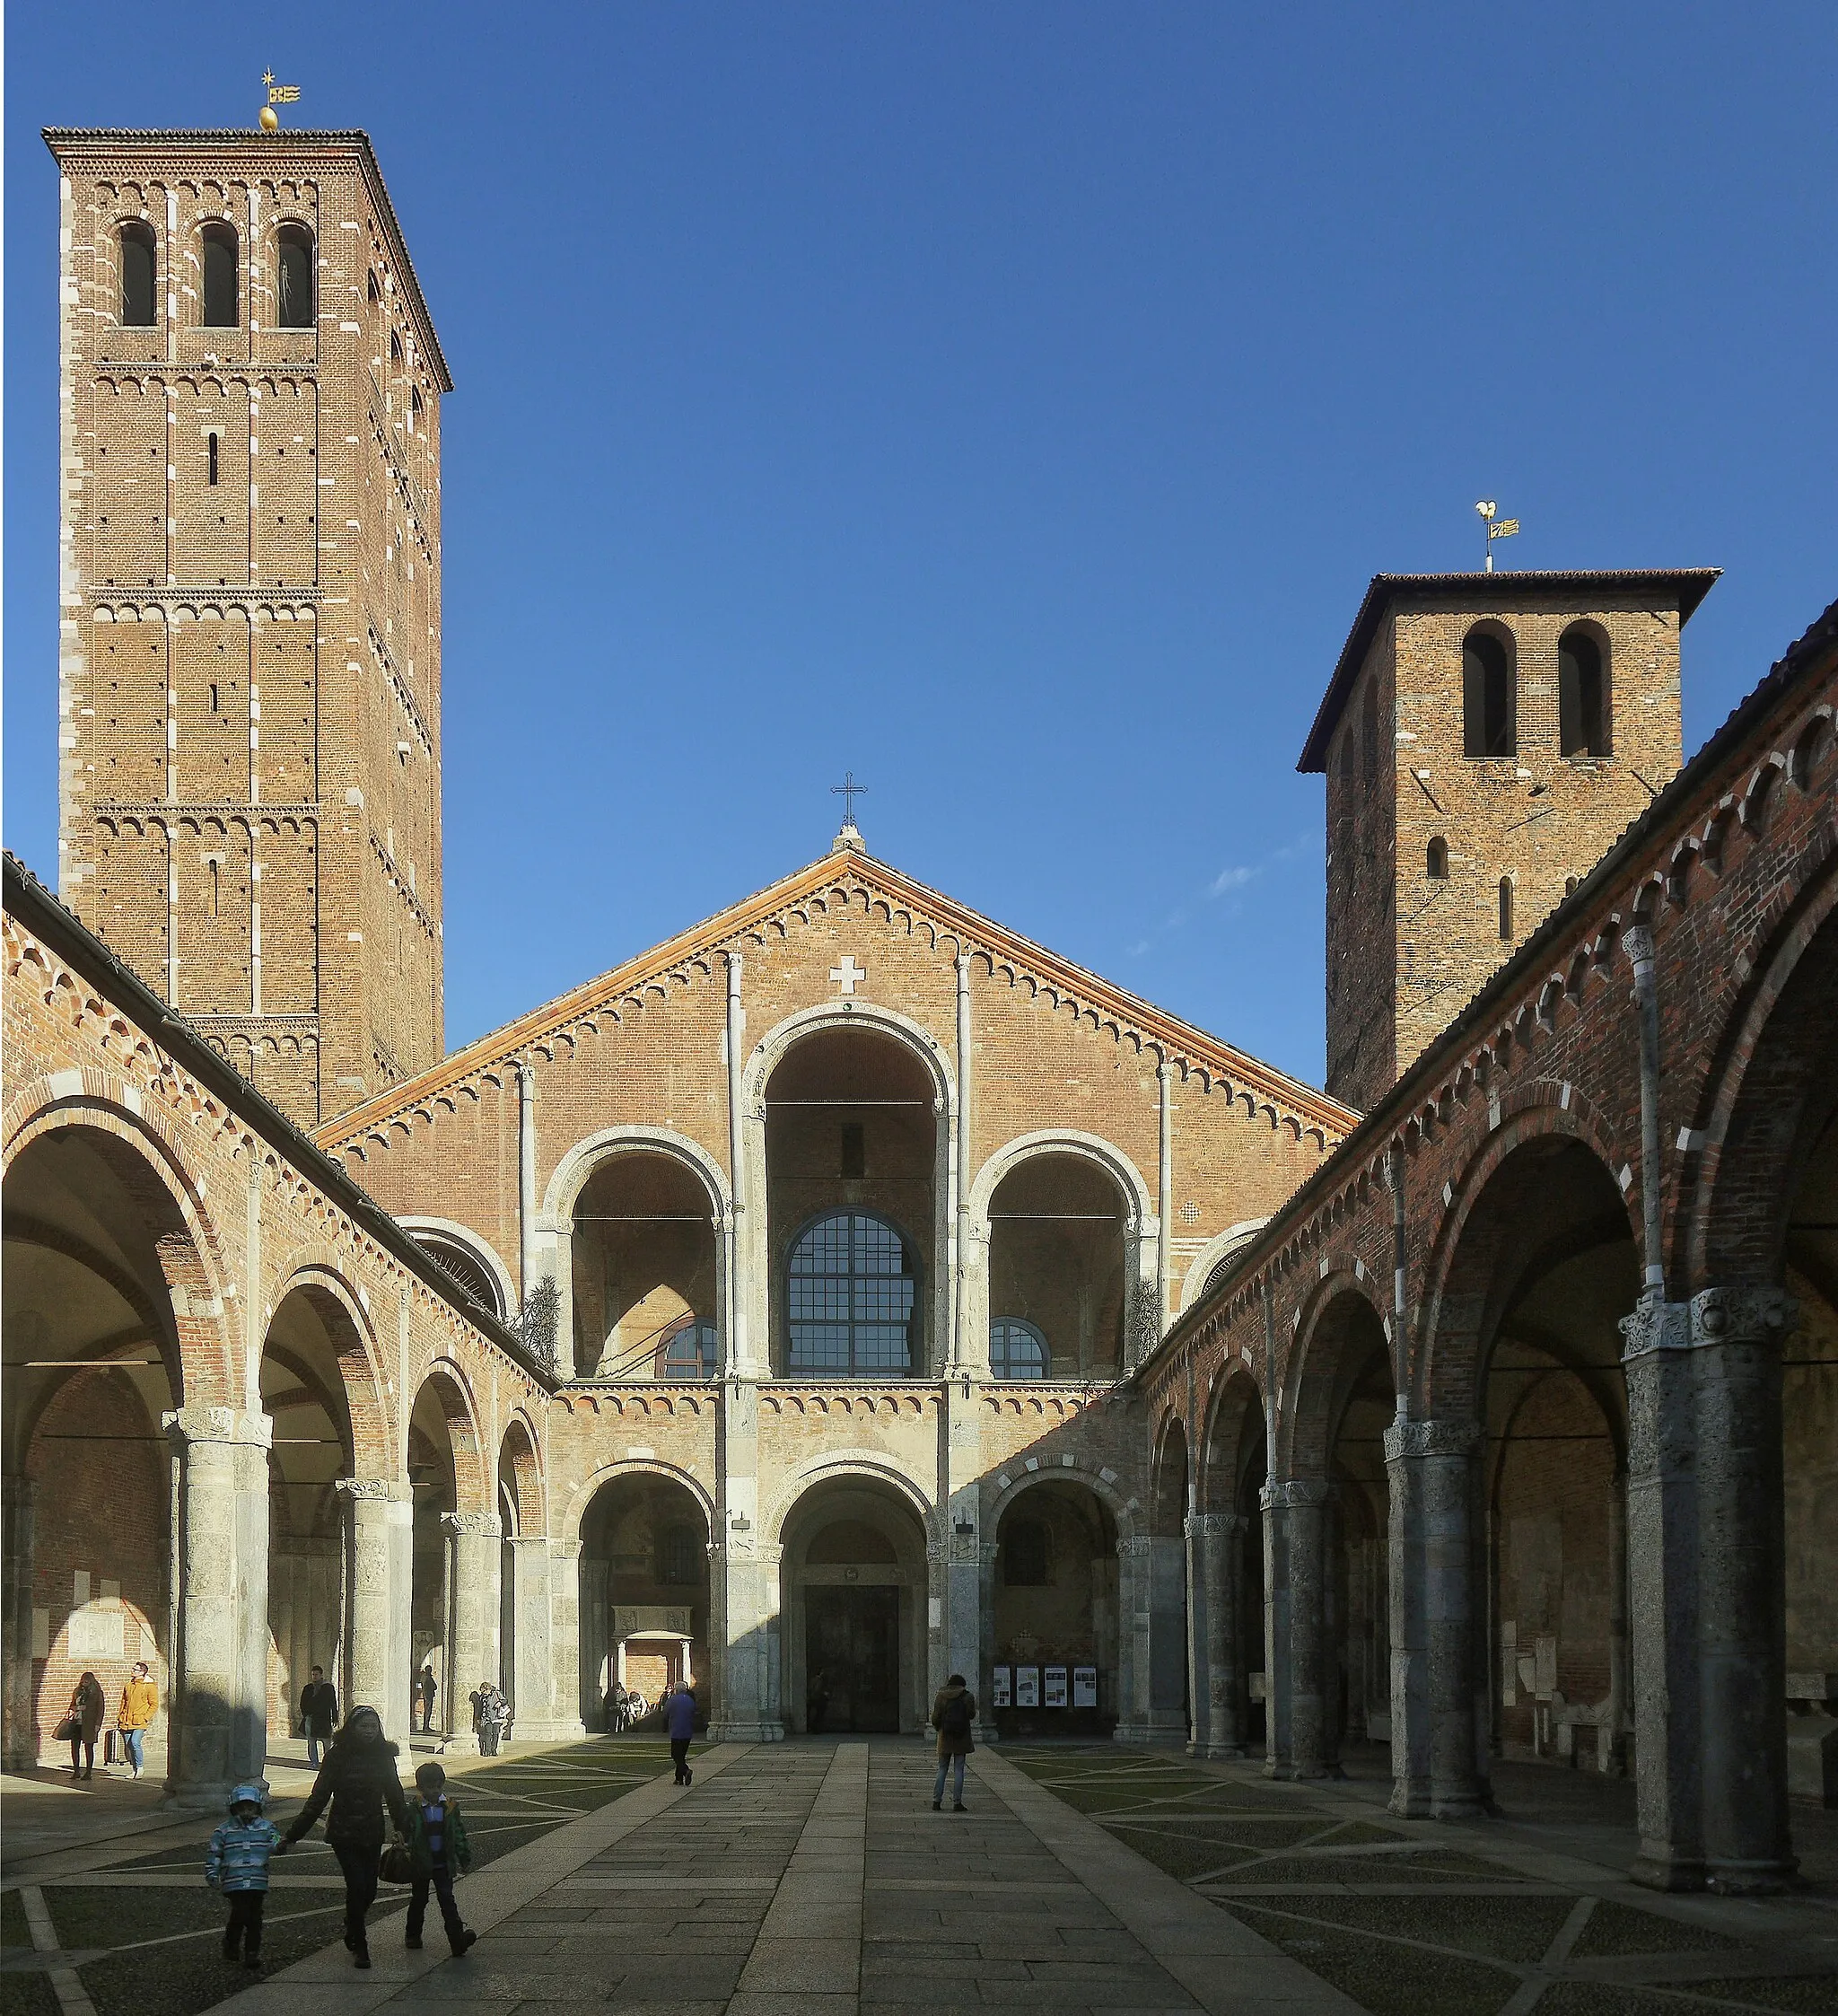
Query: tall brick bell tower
{"x": 250, "y": 672}
{"x": 1486, "y": 738}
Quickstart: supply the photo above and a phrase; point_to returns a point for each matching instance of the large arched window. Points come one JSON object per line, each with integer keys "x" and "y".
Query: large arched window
{"x": 1582, "y": 694}
{"x": 852, "y": 1298}
{"x": 293, "y": 278}
{"x": 1489, "y": 695}
{"x": 1017, "y": 1350}
{"x": 219, "y": 277}
{"x": 688, "y": 1351}
{"x": 139, "y": 275}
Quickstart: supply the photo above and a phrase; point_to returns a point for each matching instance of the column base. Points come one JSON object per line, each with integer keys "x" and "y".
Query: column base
{"x": 1458, "y": 1806}
{"x": 558, "y": 1731}
{"x": 1752, "y": 1878}
{"x": 1660, "y": 1869}
{"x": 1410, "y": 1800}
{"x": 1134, "y": 1734}
{"x": 1219, "y": 1752}
{"x": 466, "y": 1745}
{"x": 751, "y": 1731}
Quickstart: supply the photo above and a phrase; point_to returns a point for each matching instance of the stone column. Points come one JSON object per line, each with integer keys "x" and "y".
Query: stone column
{"x": 1303, "y": 1505}
{"x": 1133, "y": 1603}
{"x": 1228, "y": 1696}
{"x": 381, "y": 1580}
{"x": 961, "y": 1638}
{"x": 1736, "y": 1336}
{"x": 18, "y": 1748}
{"x": 745, "y": 1709}
{"x": 219, "y": 1666}
{"x": 1200, "y": 1581}
{"x": 475, "y": 1541}
{"x": 1273, "y": 1501}
{"x": 1662, "y": 1544}
{"x": 988, "y": 1650}
{"x": 1436, "y": 1733}
{"x": 1167, "y": 1638}
{"x": 1613, "y": 1754}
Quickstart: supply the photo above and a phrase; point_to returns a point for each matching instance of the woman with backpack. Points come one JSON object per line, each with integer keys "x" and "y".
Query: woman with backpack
{"x": 953, "y": 1716}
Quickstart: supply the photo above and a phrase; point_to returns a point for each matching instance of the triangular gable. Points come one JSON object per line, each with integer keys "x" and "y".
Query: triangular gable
{"x": 844, "y": 873}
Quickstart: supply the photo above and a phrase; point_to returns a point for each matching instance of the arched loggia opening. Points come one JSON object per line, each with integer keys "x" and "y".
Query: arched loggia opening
{"x": 645, "y": 1263}
{"x": 521, "y": 1529}
{"x": 311, "y": 1358}
{"x": 1226, "y": 1573}
{"x": 853, "y": 1184}
{"x": 646, "y": 1616}
{"x": 1167, "y": 1709}
{"x": 1055, "y": 1622}
{"x": 1057, "y": 1264}
{"x": 854, "y": 1596}
{"x": 92, "y": 1363}
{"x": 444, "y": 1478}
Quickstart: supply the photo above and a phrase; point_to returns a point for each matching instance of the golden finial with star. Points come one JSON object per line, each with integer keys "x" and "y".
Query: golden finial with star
{"x": 278, "y": 94}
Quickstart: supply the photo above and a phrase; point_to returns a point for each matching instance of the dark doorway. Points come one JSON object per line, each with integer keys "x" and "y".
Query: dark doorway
{"x": 852, "y": 1661}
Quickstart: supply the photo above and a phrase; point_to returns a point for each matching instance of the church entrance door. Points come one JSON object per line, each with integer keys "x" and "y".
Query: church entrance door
{"x": 852, "y": 1661}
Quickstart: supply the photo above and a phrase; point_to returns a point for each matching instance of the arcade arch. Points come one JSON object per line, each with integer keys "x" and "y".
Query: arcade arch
{"x": 647, "y": 1616}
{"x": 1055, "y": 1603}
{"x": 445, "y": 1477}
{"x": 1058, "y": 1228}
{"x": 1226, "y": 1571}
{"x": 644, "y": 1256}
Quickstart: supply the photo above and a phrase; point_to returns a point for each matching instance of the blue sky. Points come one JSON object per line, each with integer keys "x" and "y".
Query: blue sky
{"x": 1008, "y": 403}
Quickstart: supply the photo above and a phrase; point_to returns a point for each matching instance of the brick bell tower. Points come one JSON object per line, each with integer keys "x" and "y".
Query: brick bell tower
{"x": 1485, "y": 737}
{"x": 249, "y": 559}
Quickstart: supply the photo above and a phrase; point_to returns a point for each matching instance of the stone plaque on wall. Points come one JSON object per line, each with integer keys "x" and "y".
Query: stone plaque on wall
{"x": 637, "y": 1620}
{"x": 97, "y": 1634}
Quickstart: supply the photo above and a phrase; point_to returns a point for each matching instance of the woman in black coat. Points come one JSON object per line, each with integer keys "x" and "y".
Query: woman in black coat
{"x": 359, "y": 1777}
{"x": 87, "y": 1708}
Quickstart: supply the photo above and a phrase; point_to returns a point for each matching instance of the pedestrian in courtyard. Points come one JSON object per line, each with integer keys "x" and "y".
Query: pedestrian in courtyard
{"x": 438, "y": 1850}
{"x": 140, "y": 1703}
{"x": 679, "y": 1722}
{"x": 318, "y": 1714}
{"x": 83, "y": 1723}
{"x": 236, "y": 1864}
{"x": 359, "y": 1777}
{"x": 426, "y": 1688}
{"x": 494, "y": 1713}
{"x": 953, "y": 1716}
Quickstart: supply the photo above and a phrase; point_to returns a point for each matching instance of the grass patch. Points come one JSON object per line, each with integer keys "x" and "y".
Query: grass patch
{"x": 181, "y": 1979}
{"x": 1186, "y": 1854}
{"x": 1596, "y": 1998}
{"x": 27, "y": 1992}
{"x": 1816, "y": 1994}
{"x": 1432, "y": 1867}
{"x": 1491, "y": 1928}
{"x": 13, "y": 1929}
{"x": 1619, "y": 1928}
{"x": 1360, "y": 1834}
{"x": 1386, "y": 1980}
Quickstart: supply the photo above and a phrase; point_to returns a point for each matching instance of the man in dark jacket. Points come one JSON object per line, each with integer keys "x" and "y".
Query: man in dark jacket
{"x": 318, "y": 1714}
{"x": 953, "y": 1716}
{"x": 426, "y": 1688}
{"x": 679, "y": 1722}
{"x": 359, "y": 1777}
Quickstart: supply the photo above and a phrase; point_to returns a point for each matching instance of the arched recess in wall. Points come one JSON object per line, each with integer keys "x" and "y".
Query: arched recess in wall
{"x": 522, "y": 1525}
{"x": 92, "y": 1357}
{"x": 847, "y": 1108}
{"x": 1055, "y": 1600}
{"x": 469, "y": 1258}
{"x": 1209, "y": 1264}
{"x": 448, "y": 1474}
{"x": 1537, "y": 1265}
{"x": 634, "y": 1230}
{"x": 1064, "y": 1228}
{"x": 1233, "y": 1470}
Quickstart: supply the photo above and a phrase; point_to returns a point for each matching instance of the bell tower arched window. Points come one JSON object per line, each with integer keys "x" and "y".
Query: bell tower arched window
{"x": 221, "y": 308}
{"x": 294, "y": 289}
{"x": 851, "y": 1296}
{"x": 1436, "y": 862}
{"x": 139, "y": 276}
{"x": 1489, "y": 695}
{"x": 1582, "y": 694}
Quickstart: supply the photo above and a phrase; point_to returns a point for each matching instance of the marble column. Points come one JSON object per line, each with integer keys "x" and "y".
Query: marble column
{"x": 1304, "y": 1508}
{"x": 381, "y": 1582}
{"x": 1437, "y": 1731}
{"x": 1134, "y": 1614}
{"x": 476, "y": 1544}
{"x": 1737, "y": 1336}
{"x": 18, "y": 1747}
{"x": 219, "y": 1666}
{"x": 1662, "y": 1593}
{"x": 1220, "y": 1692}
{"x": 982, "y": 1676}
{"x": 1274, "y": 1503}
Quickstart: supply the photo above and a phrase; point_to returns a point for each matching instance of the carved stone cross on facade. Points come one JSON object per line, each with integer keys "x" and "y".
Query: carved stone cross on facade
{"x": 845, "y": 975}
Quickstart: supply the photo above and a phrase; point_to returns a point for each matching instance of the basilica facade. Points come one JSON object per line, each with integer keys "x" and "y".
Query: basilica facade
{"x": 851, "y": 1291}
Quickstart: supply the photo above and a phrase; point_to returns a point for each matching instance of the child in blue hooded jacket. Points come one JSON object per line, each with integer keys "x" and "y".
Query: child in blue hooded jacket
{"x": 236, "y": 1863}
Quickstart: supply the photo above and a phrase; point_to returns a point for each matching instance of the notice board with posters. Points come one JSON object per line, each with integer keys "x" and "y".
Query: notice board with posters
{"x": 1084, "y": 1686}
{"x": 1055, "y": 1687}
{"x": 1000, "y": 1690}
{"x": 1026, "y": 1687}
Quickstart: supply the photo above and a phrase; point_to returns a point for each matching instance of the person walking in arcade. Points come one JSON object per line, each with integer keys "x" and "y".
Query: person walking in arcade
{"x": 359, "y": 1778}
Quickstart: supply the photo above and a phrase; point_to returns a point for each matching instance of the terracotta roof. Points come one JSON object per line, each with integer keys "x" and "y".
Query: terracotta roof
{"x": 1487, "y": 592}
{"x": 62, "y": 138}
{"x": 1178, "y": 1038}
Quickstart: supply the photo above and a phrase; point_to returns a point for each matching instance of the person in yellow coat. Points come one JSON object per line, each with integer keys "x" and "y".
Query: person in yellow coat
{"x": 140, "y": 1703}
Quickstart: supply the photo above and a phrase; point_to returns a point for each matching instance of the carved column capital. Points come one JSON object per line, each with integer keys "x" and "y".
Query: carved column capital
{"x": 1742, "y": 1316}
{"x": 487, "y": 1525}
{"x": 1216, "y": 1524}
{"x": 1406, "y": 1439}
{"x": 374, "y": 1489}
{"x": 1289, "y": 1492}
{"x": 187, "y": 1426}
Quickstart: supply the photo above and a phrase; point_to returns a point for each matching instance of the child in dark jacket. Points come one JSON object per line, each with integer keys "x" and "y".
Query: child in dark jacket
{"x": 438, "y": 1850}
{"x": 236, "y": 1863}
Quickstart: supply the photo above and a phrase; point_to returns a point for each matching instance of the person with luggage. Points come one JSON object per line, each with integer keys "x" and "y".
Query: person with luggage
{"x": 953, "y": 1716}
{"x": 140, "y": 1703}
{"x": 438, "y": 1852}
{"x": 81, "y": 1724}
{"x": 236, "y": 1865}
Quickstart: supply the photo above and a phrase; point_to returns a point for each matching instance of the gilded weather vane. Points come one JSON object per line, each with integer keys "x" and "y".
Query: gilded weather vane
{"x": 278, "y": 94}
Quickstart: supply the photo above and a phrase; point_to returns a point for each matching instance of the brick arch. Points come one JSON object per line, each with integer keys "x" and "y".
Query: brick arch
{"x": 1758, "y": 1119}
{"x": 519, "y": 1450}
{"x": 1171, "y": 1476}
{"x": 604, "y": 1473}
{"x": 1123, "y": 1511}
{"x": 188, "y": 1246}
{"x": 1228, "y": 1408}
{"x": 474, "y": 1491}
{"x": 862, "y": 1466}
{"x": 1486, "y": 1242}
{"x": 1326, "y": 1357}
{"x": 315, "y": 1272}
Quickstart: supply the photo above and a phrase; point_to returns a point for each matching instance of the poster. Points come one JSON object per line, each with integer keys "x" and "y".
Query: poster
{"x": 1026, "y": 1687}
{"x": 1055, "y": 1687}
{"x": 998, "y": 1688}
{"x": 1084, "y": 1686}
